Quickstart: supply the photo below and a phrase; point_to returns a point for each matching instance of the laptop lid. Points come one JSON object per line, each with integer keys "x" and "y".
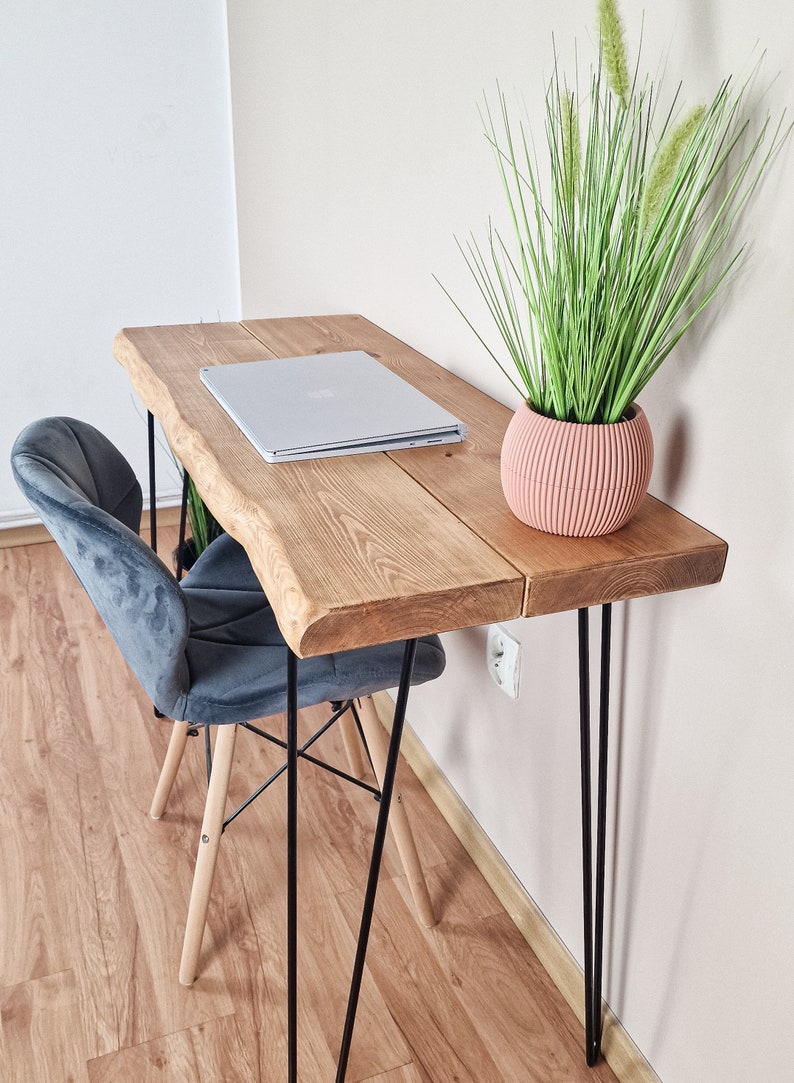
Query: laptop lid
{"x": 327, "y": 404}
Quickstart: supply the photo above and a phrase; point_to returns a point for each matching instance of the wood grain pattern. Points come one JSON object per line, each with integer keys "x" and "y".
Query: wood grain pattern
{"x": 350, "y": 550}
{"x": 92, "y": 898}
{"x": 368, "y": 548}
{"x": 658, "y": 551}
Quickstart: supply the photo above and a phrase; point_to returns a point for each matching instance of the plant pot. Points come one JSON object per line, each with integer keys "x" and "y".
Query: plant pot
{"x": 573, "y": 479}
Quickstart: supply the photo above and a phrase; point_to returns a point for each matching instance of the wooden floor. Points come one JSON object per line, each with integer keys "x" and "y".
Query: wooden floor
{"x": 93, "y": 896}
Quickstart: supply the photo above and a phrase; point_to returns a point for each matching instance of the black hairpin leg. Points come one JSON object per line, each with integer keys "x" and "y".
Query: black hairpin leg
{"x": 593, "y": 900}
{"x": 377, "y": 853}
{"x": 387, "y": 791}
{"x": 292, "y": 867}
{"x": 152, "y": 504}
{"x": 180, "y": 545}
{"x": 152, "y": 488}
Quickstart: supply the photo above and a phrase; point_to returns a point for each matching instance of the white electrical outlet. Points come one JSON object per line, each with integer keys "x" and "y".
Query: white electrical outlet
{"x": 503, "y": 656}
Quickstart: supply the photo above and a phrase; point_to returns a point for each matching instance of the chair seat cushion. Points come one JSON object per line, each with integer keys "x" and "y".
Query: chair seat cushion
{"x": 237, "y": 656}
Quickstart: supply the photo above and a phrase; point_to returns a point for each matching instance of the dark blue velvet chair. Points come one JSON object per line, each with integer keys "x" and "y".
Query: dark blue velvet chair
{"x": 207, "y": 650}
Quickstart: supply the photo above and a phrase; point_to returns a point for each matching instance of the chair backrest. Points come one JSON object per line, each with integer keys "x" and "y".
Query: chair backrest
{"x": 88, "y": 497}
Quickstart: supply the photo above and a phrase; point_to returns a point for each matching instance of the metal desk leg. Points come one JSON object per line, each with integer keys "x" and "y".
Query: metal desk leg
{"x": 593, "y": 907}
{"x": 152, "y": 487}
{"x": 377, "y": 852}
{"x": 180, "y": 545}
{"x": 292, "y": 867}
{"x": 152, "y": 503}
{"x": 153, "y": 499}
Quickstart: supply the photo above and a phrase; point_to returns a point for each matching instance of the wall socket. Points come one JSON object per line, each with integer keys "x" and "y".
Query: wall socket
{"x": 503, "y": 657}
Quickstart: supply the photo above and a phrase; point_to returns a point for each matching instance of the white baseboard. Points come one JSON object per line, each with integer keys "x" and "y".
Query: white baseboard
{"x": 619, "y": 1051}
{"x": 29, "y": 530}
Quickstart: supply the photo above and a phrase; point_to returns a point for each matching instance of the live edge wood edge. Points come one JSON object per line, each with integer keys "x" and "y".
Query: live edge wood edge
{"x": 331, "y": 589}
{"x": 513, "y": 570}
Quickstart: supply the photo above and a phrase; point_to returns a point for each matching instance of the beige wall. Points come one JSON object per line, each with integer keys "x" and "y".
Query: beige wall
{"x": 359, "y": 157}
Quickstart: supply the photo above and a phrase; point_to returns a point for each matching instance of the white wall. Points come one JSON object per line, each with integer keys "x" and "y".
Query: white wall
{"x": 116, "y": 199}
{"x": 359, "y": 156}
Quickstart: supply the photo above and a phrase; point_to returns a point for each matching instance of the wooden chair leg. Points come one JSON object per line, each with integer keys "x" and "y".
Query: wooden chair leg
{"x": 352, "y": 742}
{"x": 209, "y": 843}
{"x": 398, "y": 818}
{"x": 173, "y": 758}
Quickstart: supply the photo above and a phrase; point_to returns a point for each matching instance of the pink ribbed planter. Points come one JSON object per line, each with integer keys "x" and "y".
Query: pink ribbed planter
{"x": 572, "y": 479}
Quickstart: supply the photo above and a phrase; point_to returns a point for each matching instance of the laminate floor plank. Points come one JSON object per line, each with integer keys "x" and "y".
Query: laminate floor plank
{"x": 205, "y": 1053}
{"x": 40, "y": 1031}
{"x": 33, "y": 943}
{"x": 68, "y": 840}
{"x": 406, "y": 1073}
{"x": 94, "y": 897}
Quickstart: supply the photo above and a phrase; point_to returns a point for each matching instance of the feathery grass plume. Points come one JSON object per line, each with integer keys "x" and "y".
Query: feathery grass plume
{"x": 571, "y": 149}
{"x": 620, "y": 238}
{"x": 613, "y": 46}
{"x": 665, "y": 163}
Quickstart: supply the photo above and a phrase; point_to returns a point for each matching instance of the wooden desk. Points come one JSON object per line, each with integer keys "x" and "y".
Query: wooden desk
{"x": 408, "y": 542}
{"x": 370, "y": 548}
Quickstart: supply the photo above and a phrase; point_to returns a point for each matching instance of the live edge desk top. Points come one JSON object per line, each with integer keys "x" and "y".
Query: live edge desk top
{"x": 363, "y": 549}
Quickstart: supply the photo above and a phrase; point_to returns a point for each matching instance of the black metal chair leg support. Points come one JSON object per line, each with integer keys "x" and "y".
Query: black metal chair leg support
{"x": 152, "y": 488}
{"x": 377, "y": 853}
{"x": 292, "y": 867}
{"x": 593, "y": 900}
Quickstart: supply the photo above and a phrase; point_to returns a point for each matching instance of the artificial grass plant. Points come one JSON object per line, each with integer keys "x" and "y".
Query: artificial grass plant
{"x": 621, "y": 238}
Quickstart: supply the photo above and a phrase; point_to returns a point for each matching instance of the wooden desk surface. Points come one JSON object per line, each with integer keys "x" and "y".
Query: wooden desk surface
{"x": 367, "y": 548}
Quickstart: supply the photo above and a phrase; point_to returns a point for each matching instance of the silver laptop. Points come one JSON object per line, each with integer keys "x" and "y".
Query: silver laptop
{"x": 328, "y": 404}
